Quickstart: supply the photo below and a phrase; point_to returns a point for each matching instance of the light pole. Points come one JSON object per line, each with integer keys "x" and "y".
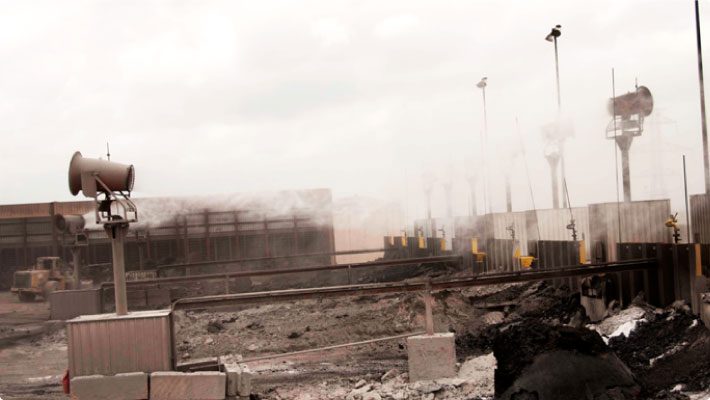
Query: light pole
{"x": 706, "y": 160}
{"x": 482, "y": 85}
{"x": 552, "y": 37}
{"x": 552, "y": 154}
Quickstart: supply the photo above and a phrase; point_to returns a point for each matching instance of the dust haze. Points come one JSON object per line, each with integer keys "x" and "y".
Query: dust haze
{"x": 225, "y": 97}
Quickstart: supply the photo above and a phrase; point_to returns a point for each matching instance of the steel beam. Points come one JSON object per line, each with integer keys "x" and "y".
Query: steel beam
{"x": 412, "y": 286}
{"x": 334, "y": 267}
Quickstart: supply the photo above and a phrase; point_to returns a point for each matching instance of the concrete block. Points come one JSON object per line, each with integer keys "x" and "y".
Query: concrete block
{"x": 233, "y": 373}
{"x": 594, "y": 307}
{"x": 210, "y": 385}
{"x": 128, "y": 386}
{"x": 244, "y": 382}
{"x": 431, "y": 357}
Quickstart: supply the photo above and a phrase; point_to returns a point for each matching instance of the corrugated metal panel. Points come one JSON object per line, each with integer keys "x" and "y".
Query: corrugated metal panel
{"x": 641, "y": 221}
{"x": 700, "y": 217}
{"x": 552, "y": 224}
{"x": 68, "y": 304}
{"x": 43, "y": 209}
{"x": 517, "y": 220}
{"x": 24, "y": 210}
{"x": 74, "y": 207}
{"x": 107, "y": 344}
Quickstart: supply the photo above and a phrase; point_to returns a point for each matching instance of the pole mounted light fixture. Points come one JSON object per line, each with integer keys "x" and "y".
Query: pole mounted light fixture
{"x": 554, "y": 33}
{"x": 483, "y": 83}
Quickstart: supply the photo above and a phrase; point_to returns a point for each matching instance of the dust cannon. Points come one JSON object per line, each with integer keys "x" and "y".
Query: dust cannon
{"x": 73, "y": 225}
{"x": 115, "y": 210}
{"x": 627, "y": 114}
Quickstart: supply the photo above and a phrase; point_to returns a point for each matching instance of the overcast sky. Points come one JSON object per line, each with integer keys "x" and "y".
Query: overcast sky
{"x": 362, "y": 97}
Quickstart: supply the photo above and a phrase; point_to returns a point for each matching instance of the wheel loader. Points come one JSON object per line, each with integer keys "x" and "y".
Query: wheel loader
{"x": 47, "y": 275}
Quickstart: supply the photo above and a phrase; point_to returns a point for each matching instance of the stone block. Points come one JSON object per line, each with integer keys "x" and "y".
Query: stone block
{"x": 128, "y": 386}
{"x": 209, "y": 385}
{"x": 431, "y": 357}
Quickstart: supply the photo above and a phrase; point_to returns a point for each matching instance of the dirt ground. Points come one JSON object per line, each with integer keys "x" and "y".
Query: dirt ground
{"x": 33, "y": 353}
{"x": 32, "y": 367}
{"x": 19, "y": 319}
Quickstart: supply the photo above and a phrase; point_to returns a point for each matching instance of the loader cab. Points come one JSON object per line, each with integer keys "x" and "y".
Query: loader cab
{"x": 52, "y": 264}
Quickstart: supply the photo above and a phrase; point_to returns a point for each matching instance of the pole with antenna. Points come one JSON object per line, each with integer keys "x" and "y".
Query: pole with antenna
{"x": 108, "y": 153}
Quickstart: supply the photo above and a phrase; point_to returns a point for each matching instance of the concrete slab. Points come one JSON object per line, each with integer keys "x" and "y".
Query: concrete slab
{"x": 210, "y": 385}
{"x": 128, "y": 386}
{"x": 431, "y": 357}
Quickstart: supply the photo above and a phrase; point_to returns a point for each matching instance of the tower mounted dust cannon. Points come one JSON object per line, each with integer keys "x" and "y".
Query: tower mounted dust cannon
{"x": 85, "y": 173}
{"x": 115, "y": 210}
{"x": 627, "y": 114}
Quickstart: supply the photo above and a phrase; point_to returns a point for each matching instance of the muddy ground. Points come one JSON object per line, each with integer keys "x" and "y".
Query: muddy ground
{"x": 32, "y": 367}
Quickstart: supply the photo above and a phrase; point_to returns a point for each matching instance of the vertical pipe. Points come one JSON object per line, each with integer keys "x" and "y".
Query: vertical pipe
{"x": 474, "y": 206}
{"x": 267, "y": 246}
{"x": 237, "y": 250}
{"x": 687, "y": 217}
{"x": 25, "y": 250}
{"x": 552, "y": 160}
{"x": 557, "y": 75}
{"x": 55, "y": 236}
{"x": 616, "y": 162}
{"x": 508, "y": 194}
{"x": 706, "y": 160}
{"x": 117, "y": 234}
{"x": 486, "y": 203}
{"x": 208, "y": 245}
{"x": 76, "y": 256}
{"x": 449, "y": 204}
{"x": 428, "y": 317}
{"x": 625, "y": 174}
{"x": 559, "y": 112}
{"x": 186, "y": 246}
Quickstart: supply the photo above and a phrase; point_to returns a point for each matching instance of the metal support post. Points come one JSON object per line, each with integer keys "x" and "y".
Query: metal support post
{"x": 553, "y": 160}
{"x": 428, "y": 317}
{"x": 117, "y": 234}
{"x": 76, "y": 255}
{"x": 624, "y": 142}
